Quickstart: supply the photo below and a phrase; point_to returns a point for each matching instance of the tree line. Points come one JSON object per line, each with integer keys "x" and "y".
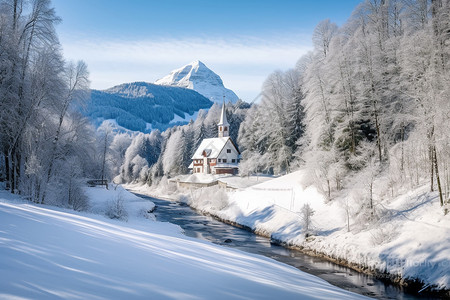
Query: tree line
{"x": 46, "y": 146}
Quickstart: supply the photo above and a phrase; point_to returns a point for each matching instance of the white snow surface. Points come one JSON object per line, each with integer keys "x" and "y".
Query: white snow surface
{"x": 198, "y": 77}
{"x": 187, "y": 117}
{"x": 113, "y": 123}
{"x": 410, "y": 240}
{"x": 54, "y": 253}
{"x": 245, "y": 182}
{"x": 102, "y": 198}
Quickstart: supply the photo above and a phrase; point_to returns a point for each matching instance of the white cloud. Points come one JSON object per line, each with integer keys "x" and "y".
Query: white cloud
{"x": 243, "y": 63}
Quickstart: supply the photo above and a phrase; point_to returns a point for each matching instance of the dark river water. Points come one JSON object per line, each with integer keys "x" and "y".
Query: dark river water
{"x": 207, "y": 228}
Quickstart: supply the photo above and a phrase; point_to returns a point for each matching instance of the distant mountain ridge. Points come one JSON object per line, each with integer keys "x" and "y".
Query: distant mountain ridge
{"x": 198, "y": 77}
{"x": 142, "y": 106}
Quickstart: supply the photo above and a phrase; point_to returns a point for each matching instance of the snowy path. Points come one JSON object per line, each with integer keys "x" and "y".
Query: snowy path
{"x": 50, "y": 253}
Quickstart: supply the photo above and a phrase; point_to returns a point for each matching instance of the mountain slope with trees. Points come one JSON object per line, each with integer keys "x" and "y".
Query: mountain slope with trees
{"x": 136, "y": 105}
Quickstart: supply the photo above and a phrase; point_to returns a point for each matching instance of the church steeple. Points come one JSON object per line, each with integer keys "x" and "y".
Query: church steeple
{"x": 223, "y": 126}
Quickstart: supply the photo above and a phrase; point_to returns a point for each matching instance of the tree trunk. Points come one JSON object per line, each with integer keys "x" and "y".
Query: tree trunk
{"x": 348, "y": 222}
{"x": 431, "y": 154}
{"x": 52, "y": 155}
{"x": 16, "y": 171}
{"x": 9, "y": 172}
{"x": 329, "y": 189}
{"x": 441, "y": 199}
{"x": 402, "y": 160}
{"x": 105, "y": 148}
{"x": 377, "y": 128}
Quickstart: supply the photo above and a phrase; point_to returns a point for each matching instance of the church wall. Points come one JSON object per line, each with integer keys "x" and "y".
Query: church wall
{"x": 228, "y": 156}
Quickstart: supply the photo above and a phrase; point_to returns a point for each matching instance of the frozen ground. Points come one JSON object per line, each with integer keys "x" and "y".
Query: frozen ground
{"x": 410, "y": 240}
{"x": 53, "y": 253}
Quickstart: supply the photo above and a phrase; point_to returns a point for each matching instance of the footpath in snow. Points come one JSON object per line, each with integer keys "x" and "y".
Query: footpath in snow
{"x": 53, "y": 253}
{"x": 410, "y": 242}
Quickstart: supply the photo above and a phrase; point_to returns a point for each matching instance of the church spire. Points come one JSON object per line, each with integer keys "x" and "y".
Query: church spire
{"x": 223, "y": 123}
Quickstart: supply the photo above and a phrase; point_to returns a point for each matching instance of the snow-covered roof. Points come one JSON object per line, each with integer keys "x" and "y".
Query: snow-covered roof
{"x": 212, "y": 147}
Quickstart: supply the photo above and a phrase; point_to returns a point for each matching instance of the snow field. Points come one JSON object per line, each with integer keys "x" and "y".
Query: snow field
{"x": 53, "y": 253}
{"x": 101, "y": 200}
{"x": 409, "y": 241}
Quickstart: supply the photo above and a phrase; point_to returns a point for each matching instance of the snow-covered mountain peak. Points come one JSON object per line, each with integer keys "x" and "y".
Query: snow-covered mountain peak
{"x": 197, "y": 76}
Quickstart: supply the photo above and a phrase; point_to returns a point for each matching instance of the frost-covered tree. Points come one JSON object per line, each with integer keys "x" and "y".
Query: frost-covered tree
{"x": 116, "y": 152}
{"x": 77, "y": 86}
{"x": 322, "y": 35}
{"x": 41, "y": 133}
{"x": 376, "y": 99}
{"x": 270, "y": 131}
{"x": 306, "y": 213}
{"x": 173, "y": 162}
{"x": 143, "y": 152}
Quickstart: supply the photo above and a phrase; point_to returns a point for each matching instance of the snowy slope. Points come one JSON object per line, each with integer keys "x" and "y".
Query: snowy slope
{"x": 410, "y": 241}
{"x": 49, "y": 253}
{"x": 197, "y": 76}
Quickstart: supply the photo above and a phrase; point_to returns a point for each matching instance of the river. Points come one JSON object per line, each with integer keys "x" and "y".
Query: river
{"x": 207, "y": 228}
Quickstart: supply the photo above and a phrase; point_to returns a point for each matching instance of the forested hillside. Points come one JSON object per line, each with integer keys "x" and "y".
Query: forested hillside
{"x": 136, "y": 105}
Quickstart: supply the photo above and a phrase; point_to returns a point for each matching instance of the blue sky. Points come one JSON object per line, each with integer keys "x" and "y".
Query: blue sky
{"x": 143, "y": 40}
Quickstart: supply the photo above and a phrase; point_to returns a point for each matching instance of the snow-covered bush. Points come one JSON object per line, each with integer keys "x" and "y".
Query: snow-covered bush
{"x": 209, "y": 199}
{"x": 382, "y": 235}
{"x": 306, "y": 213}
{"x": 78, "y": 199}
{"x": 115, "y": 208}
{"x": 146, "y": 213}
{"x": 164, "y": 186}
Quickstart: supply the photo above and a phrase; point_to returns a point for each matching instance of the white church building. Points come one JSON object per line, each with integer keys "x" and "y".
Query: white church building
{"x": 218, "y": 155}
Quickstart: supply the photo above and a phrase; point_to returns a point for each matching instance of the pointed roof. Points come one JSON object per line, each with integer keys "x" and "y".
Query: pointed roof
{"x": 212, "y": 147}
{"x": 223, "y": 117}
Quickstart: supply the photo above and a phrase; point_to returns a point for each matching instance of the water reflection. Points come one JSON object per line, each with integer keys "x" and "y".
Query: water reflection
{"x": 207, "y": 228}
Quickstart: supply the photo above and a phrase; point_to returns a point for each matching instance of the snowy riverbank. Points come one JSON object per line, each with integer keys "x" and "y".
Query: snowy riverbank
{"x": 408, "y": 243}
{"x": 54, "y": 253}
